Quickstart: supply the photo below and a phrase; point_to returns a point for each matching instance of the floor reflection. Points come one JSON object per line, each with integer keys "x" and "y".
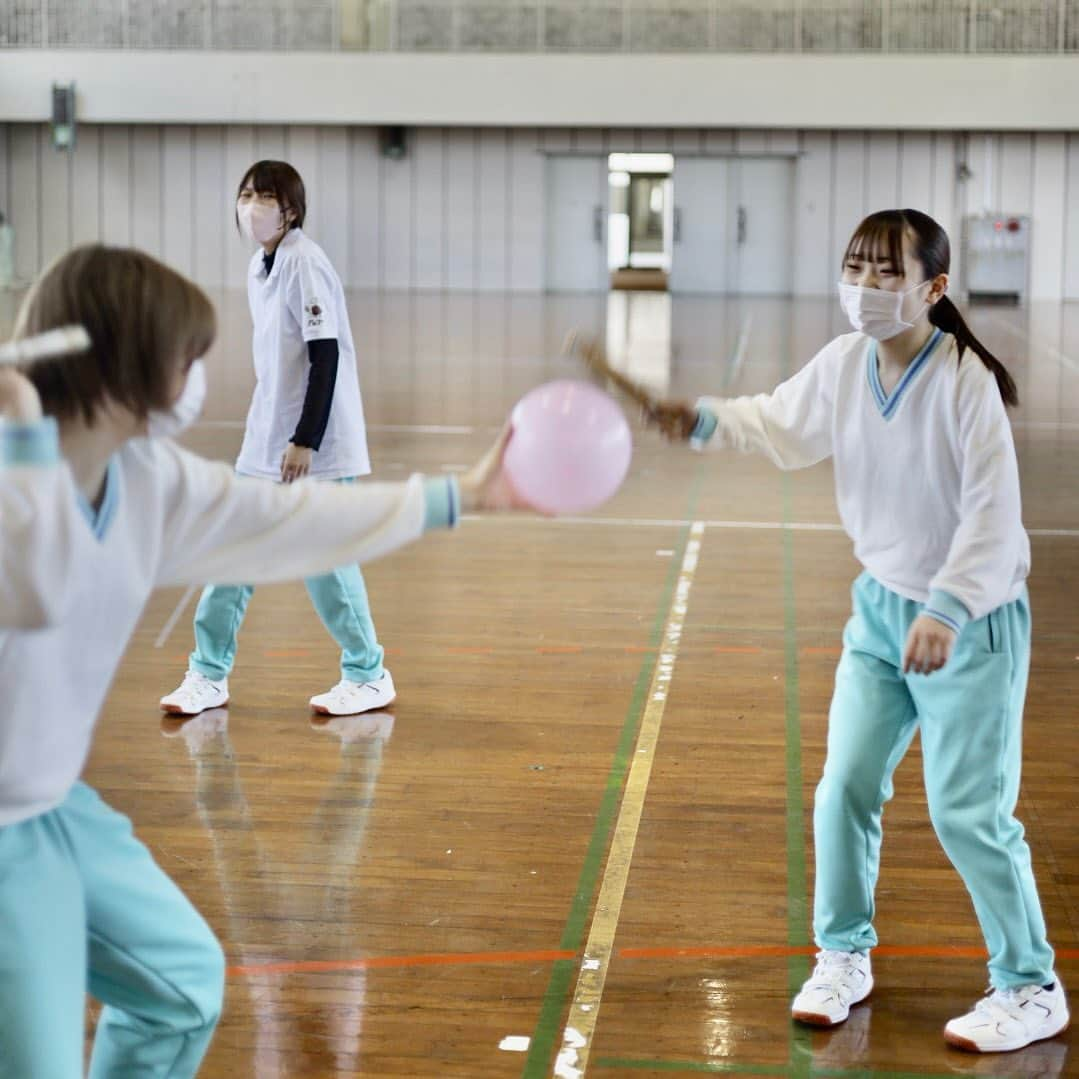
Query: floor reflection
{"x": 288, "y": 1018}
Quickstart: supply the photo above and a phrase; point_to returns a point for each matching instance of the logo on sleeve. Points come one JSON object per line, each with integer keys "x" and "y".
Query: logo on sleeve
{"x": 313, "y": 311}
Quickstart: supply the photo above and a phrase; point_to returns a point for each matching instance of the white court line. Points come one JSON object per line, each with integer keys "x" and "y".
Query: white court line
{"x": 168, "y": 627}
{"x": 665, "y": 522}
{"x": 572, "y": 1061}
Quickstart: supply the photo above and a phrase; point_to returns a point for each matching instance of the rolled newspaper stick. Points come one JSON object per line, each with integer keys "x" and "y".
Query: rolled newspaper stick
{"x": 42, "y": 346}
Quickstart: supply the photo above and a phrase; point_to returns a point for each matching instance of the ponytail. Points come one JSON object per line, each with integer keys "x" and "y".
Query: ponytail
{"x": 945, "y": 316}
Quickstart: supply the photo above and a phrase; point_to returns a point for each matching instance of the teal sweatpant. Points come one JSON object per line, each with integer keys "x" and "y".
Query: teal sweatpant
{"x": 970, "y": 715}
{"x": 339, "y": 597}
{"x": 84, "y": 907}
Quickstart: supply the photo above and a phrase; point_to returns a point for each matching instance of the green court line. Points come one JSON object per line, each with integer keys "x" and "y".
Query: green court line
{"x": 797, "y": 913}
{"x": 538, "y": 1061}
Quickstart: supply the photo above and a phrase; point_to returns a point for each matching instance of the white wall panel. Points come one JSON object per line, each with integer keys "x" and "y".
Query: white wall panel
{"x": 25, "y": 204}
{"x": 915, "y": 171}
{"x": 527, "y": 212}
{"x": 116, "y": 182}
{"x": 397, "y": 217}
{"x": 86, "y": 188}
{"x": 882, "y": 171}
{"x": 177, "y": 195}
{"x": 466, "y": 208}
{"x": 429, "y": 227}
{"x": 1047, "y": 212}
{"x": 493, "y": 263}
{"x": 848, "y": 190}
{"x": 461, "y": 208}
{"x": 365, "y": 264}
{"x": 814, "y": 267}
{"x": 1016, "y": 164}
{"x": 146, "y": 169}
{"x": 211, "y": 206}
{"x": 334, "y": 204}
{"x": 1071, "y": 220}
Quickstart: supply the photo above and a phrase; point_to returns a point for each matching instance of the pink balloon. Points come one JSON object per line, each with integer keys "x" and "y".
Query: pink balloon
{"x": 570, "y": 449}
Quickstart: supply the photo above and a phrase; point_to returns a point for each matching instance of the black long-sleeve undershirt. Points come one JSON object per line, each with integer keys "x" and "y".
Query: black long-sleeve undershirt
{"x": 321, "y": 380}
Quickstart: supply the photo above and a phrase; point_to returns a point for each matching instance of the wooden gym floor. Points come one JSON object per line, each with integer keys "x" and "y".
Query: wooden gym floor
{"x": 581, "y": 842}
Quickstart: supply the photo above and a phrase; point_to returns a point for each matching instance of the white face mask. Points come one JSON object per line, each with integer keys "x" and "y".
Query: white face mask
{"x": 876, "y": 311}
{"x": 258, "y": 222}
{"x": 170, "y": 423}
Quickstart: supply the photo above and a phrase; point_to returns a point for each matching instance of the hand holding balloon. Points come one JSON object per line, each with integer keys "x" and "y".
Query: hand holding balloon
{"x": 570, "y": 449}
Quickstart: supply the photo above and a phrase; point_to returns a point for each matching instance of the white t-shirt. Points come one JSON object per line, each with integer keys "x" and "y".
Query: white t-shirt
{"x": 926, "y": 478}
{"x": 300, "y": 300}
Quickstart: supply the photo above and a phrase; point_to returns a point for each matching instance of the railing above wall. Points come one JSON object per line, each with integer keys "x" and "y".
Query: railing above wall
{"x": 548, "y": 26}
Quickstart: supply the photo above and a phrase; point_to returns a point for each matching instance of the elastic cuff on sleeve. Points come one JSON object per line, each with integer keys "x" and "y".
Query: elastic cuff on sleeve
{"x": 443, "y": 503}
{"x": 945, "y": 608}
{"x": 707, "y": 422}
{"x": 35, "y": 443}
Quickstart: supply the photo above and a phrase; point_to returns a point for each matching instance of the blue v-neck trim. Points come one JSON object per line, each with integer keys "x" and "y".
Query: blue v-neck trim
{"x": 99, "y": 522}
{"x": 888, "y": 404}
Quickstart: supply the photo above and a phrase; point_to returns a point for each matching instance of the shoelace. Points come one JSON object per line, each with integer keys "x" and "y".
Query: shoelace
{"x": 830, "y": 972}
{"x": 1002, "y": 1003}
{"x": 199, "y": 685}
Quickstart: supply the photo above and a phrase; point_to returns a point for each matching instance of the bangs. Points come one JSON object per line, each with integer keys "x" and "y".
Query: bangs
{"x": 265, "y": 178}
{"x": 879, "y": 238}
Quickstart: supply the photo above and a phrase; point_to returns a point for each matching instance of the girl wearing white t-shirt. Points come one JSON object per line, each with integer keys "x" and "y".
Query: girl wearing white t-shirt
{"x": 305, "y": 419}
{"x": 93, "y": 517}
{"x": 911, "y": 408}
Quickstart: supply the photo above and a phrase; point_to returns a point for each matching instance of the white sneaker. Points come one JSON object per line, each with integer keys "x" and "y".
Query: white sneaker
{"x": 1008, "y": 1019}
{"x": 350, "y": 698}
{"x": 839, "y": 980}
{"x": 195, "y": 694}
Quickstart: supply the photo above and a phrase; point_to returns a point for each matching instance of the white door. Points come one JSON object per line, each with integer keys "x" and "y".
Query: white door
{"x": 762, "y": 199}
{"x": 701, "y": 229}
{"x": 577, "y": 224}
{"x": 733, "y": 226}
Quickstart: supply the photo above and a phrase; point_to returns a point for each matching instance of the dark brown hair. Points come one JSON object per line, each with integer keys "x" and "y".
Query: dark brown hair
{"x": 143, "y": 320}
{"x": 882, "y": 233}
{"x": 280, "y": 179}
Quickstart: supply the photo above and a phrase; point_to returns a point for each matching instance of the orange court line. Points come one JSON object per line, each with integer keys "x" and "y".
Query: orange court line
{"x": 452, "y": 959}
{"x": 286, "y": 653}
{"x": 466, "y": 650}
{"x": 740, "y": 649}
{"x": 560, "y": 649}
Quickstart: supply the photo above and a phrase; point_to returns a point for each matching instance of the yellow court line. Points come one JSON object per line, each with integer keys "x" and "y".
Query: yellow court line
{"x": 572, "y": 1060}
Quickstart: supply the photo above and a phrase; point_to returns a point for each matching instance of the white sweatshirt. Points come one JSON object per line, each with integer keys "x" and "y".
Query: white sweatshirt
{"x": 72, "y": 588}
{"x": 926, "y": 479}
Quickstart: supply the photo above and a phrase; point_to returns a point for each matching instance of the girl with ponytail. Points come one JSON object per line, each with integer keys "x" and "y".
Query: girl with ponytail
{"x": 939, "y": 639}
